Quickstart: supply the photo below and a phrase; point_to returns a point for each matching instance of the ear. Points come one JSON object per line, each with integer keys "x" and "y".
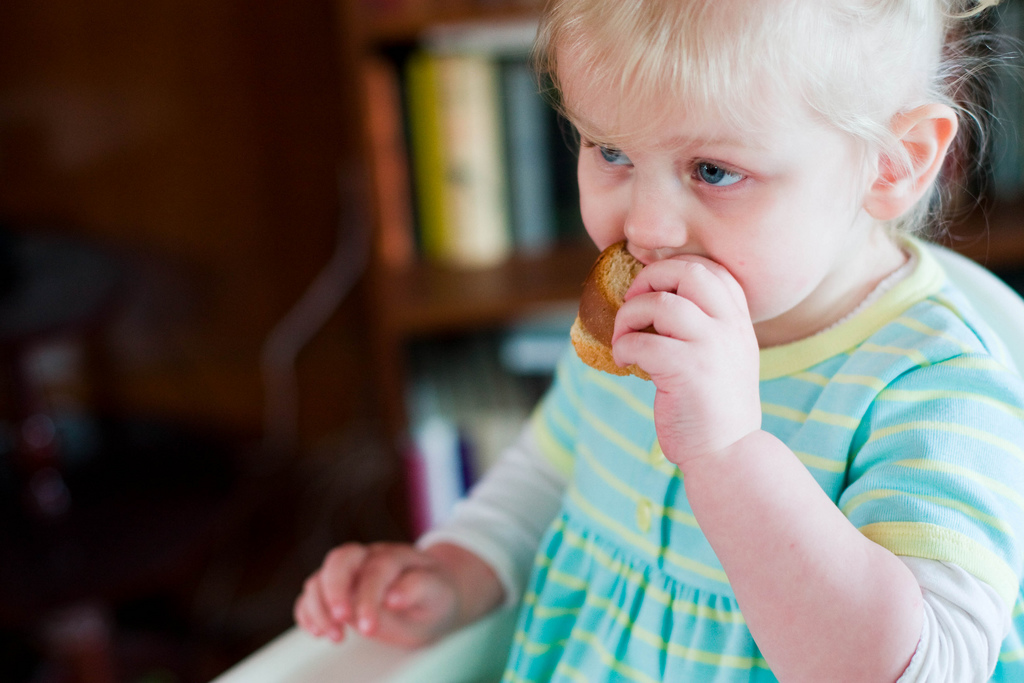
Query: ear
{"x": 924, "y": 135}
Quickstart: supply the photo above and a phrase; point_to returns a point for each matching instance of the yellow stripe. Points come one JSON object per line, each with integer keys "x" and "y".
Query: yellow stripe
{"x": 913, "y": 354}
{"x": 616, "y": 438}
{"x": 976, "y": 362}
{"x": 950, "y": 428}
{"x": 863, "y": 380}
{"x": 834, "y": 419}
{"x": 812, "y": 378}
{"x": 614, "y": 482}
{"x": 534, "y": 648}
{"x": 652, "y": 548}
{"x": 816, "y": 415}
{"x": 673, "y": 649}
{"x": 914, "y": 396}
{"x": 963, "y": 508}
{"x": 820, "y": 463}
{"x": 626, "y": 621}
{"x": 570, "y": 581}
{"x": 919, "y": 326}
{"x": 512, "y": 677}
{"x": 687, "y": 607}
{"x": 958, "y": 471}
{"x": 559, "y": 457}
{"x": 785, "y": 412}
{"x": 1012, "y": 655}
{"x": 560, "y": 420}
{"x": 610, "y": 385}
{"x": 933, "y": 542}
{"x": 570, "y": 672}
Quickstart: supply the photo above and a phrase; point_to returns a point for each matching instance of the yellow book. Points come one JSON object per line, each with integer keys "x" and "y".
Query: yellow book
{"x": 459, "y": 159}
{"x": 426, "y": 139}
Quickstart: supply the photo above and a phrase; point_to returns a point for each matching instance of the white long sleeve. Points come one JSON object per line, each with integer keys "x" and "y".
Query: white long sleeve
{"x": 965, "y": 622}
{"x": 506, "y": 513}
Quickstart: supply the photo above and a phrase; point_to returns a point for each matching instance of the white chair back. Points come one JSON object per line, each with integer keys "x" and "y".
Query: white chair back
{"x": 997, "y": 303}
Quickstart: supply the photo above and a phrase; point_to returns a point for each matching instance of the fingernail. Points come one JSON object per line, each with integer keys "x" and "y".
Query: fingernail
{"x": 338, "y": 612}
{"x": 365, "y": 625}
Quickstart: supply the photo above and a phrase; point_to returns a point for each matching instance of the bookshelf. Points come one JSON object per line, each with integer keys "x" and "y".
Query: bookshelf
{"x": 409, "y": 296}
{"x": 414, "y": 298}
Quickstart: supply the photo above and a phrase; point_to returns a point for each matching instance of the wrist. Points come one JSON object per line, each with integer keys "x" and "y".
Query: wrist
{"x": 477, "y": 587}
{"x": 752, "y": 442}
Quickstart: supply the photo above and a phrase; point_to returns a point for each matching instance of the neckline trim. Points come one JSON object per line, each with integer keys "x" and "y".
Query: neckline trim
{"x": 877, "y": 310}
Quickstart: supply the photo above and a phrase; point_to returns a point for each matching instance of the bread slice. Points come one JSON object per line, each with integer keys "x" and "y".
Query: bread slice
{"x": 603, "y": 293}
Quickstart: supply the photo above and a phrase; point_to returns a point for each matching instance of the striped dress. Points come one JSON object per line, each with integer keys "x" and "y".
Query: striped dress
{"x": 905, "y": 415}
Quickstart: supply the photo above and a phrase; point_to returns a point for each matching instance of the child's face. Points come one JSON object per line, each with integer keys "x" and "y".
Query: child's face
{"x": 780, "y": 207}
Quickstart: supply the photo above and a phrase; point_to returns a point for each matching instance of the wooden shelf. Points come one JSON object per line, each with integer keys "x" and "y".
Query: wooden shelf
{"x": 398, "y": 22}
{"x": 430, "y": 299}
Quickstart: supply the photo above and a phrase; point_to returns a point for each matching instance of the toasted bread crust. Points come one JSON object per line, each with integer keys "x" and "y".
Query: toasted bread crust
{"x": 603, "y": 293}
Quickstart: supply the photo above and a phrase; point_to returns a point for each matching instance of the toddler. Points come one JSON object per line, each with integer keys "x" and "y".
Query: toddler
{"x": 824, "y": 478}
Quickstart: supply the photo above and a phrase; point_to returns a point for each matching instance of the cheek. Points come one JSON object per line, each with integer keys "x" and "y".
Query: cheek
{"x": 602, "y": 210}
{"x": 598, "y": 221}
{"x": 772, "y": 279}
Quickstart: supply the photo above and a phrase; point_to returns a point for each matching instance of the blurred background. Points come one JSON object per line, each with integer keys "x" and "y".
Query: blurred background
{"x": 172, "y": 179}
{"x": 231, "y": 336}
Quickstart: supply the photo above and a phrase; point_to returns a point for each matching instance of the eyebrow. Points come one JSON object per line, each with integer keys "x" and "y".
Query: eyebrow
{"x": 752, "y": 142}
{"x": 682, "y": 142}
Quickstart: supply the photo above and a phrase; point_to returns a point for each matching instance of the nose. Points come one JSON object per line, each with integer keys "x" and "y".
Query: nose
{"x": 656, "y": 225}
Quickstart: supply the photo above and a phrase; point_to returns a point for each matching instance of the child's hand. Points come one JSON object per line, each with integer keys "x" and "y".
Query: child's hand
{"x": 395, "y": 593}
{"x": 703, "y": 360}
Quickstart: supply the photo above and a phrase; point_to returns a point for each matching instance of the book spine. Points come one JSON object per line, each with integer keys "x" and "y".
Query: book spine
{"x": 396, "y": 242}
{"x": 474, "y": 175}
{"x": 427, "y": 151}
{"x": 531, "y": 185}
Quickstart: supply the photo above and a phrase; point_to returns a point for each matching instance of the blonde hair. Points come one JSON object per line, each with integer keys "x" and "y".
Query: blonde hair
{"x": 856, "y": 64}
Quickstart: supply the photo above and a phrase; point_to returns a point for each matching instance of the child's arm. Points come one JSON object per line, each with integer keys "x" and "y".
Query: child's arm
{"x": 822, "y": 601}
{"x": 456, "y": 574}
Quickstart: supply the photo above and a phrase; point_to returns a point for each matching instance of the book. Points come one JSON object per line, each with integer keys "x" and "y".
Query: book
{"x": 426, "y": 140}
{"x": 475, "y": 181}
{"x": 461, "y": 382}
{"x": 528, "y": 122}
{"x": 455, "y": 127}
{"x": 389, "y": 161}
{"x": 436, "y": 471}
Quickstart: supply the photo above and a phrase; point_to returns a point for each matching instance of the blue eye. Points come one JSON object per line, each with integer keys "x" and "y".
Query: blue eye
{"x": 716, "y": 175}
{"x": 614, "y": 156}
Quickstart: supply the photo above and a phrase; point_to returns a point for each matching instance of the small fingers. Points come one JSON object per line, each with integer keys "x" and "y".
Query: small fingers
{"x": 668, "y": 314}
{"x": 311, "y": 611}
{"x": 339, "y": 575}
{"x": 382, "y": 568}
{"x": 709, "y": 285}
{"x": 655, "y": 353}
